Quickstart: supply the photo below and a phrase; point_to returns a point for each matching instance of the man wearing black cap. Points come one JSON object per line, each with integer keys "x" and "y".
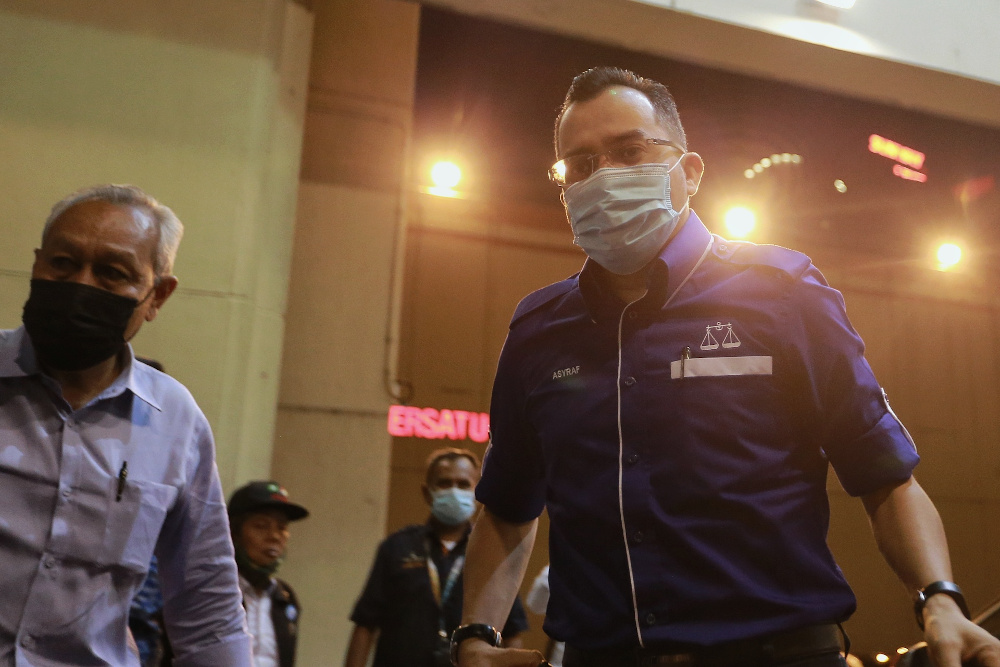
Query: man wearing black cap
{"x": 259, "y": 514}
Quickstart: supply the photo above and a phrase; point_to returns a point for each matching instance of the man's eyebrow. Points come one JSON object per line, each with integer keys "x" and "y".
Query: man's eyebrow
{"x": 626, "y": 136}
{"x": 630, "y": 135}
{"x": 123, "y": 254}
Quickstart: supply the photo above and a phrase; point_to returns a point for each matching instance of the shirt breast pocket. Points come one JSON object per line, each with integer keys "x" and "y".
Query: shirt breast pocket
{"x": 134, "y": 522}
{"x": 701, "y": 367}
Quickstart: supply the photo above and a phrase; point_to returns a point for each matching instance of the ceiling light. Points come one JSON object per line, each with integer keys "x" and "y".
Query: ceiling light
{"x": 740, "y": 221}
{"x": 446, "y": 174}
{"x": 948, "y": 255}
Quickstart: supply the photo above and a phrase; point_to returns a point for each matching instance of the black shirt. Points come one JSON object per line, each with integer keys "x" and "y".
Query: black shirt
{"x": 399, "y": 601}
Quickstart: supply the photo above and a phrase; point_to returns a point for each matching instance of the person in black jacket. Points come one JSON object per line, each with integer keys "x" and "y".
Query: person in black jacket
{"x": 259, "y": 514}
{"x": 413, "y": 597}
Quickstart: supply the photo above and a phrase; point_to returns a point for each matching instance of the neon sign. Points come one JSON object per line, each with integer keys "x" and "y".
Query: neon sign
{"x": 409, "y": 422}
{"x": 898, "y": 152}
{"x": 908, "y": 174}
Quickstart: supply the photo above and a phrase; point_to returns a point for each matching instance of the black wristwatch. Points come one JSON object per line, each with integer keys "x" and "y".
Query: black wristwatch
{"x": 946, "y": 587}
{"x": 487, "y": 633}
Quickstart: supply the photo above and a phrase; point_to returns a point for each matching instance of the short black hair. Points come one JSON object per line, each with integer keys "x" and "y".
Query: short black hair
{"x": 588, "y": 85}
{"x": 448, "y": 454}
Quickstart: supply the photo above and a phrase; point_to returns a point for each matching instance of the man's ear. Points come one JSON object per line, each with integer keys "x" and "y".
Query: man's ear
{"x": 164, "y": 287}
{"x": 694, "y": 169}
{"x": 427, "y": 494}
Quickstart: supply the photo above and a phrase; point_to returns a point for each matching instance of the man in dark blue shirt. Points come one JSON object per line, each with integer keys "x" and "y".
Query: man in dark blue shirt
{"x": 413, "y": 597}
{"x": 675, "y": 407}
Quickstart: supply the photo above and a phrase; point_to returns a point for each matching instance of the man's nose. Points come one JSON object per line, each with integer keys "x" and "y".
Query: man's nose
{"x": 602, "y": 160}
{"x": 85, "y": 276}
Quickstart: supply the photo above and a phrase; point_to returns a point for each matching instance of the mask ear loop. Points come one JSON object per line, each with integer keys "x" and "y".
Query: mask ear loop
{"x": 687, "y": 202}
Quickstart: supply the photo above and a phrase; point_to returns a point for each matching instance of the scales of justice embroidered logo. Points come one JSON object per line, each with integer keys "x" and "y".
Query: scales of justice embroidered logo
{"x": 729, "y": 340}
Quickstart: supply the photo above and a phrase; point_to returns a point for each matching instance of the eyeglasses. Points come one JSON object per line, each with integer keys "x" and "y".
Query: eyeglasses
{"x": 578, "y": 167}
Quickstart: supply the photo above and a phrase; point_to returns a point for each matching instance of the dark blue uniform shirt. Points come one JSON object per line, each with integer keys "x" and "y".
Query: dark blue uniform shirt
{"x": 681, "y": 444}
{"x": 398, "y": 599}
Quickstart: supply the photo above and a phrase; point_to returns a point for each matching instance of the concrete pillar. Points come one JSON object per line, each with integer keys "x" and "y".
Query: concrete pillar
{"x": 331, "y": 446}
{"x": 202, "y": 105}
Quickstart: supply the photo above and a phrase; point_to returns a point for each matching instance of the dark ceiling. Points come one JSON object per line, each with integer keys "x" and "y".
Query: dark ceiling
{"x": 487, "y": 94}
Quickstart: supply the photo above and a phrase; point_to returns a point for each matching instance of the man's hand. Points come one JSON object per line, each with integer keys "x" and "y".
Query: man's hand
{"x": 477, "y": 653}
{"x": 953, "y": 640}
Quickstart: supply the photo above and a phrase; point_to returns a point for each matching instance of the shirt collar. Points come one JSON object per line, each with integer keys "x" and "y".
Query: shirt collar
{"x": 138, "y": 379}
{"x": 433, "y": 536}
{"x": 17, "y": 359}
{"x": 249, "y": 591}
{"x": 683, "y": 252}
{"x": 670, "y": 268}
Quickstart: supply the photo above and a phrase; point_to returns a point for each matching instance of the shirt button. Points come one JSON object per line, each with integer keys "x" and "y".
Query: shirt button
{"x": 66, "y": 492}
{"x": 629, "y": 381}
{"x": 632, "y": 458}
{"x": 632, "y": 315}
{"x": 49, "y": 562}
{"x": 650, "y": 618}
{"x": 637, "y": 536}
{"x": 27, "y": 641}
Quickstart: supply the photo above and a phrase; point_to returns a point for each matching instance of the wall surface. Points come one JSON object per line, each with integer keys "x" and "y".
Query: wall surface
{"x": 331, "y": 446}
{"x": 202, "y": 106}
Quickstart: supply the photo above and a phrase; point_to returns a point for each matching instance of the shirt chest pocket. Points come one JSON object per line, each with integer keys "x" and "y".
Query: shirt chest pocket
{"x": 735, "y": 391}
{"x": 135, "y": 521}
{"x": 718, "y": 367}
{"x": 116, "y": 522}
{"x": 410, "y": 578}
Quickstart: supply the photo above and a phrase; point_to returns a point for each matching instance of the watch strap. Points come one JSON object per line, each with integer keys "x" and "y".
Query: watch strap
{"x": 487, "y": 633}
{"x": 948, "y": 588}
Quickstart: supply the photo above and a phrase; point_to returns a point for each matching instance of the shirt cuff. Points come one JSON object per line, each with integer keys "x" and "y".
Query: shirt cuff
{"x": 884, "y": 455}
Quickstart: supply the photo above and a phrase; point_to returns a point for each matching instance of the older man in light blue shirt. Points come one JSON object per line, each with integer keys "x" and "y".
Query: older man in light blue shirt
{"x": 103, "y": 460}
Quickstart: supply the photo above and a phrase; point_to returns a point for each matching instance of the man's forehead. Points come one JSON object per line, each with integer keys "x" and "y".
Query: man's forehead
{"x": 458, "y": 466}
{"x": 616, "y": 111}
{"x": 120, "y": 225}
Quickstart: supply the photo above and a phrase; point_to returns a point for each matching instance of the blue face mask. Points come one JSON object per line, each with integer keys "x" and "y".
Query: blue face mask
{"x": 622, "y": 216}
{"x": 453, "y": 506}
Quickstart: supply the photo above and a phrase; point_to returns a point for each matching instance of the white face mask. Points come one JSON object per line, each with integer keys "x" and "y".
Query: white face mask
{"x": 622, "y": 216}
{"x": 453, "y": 506}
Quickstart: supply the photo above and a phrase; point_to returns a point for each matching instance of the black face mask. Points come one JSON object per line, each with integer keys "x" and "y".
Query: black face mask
{"x": 74, "y": 326}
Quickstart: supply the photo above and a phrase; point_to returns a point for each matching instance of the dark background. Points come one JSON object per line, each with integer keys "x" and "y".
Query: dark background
{"x": 487, "y": 95}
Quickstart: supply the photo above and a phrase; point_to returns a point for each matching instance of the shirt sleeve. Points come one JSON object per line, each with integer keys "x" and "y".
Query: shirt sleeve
{"x": 513, "y": 483}
{"x": 369, "y": 610}
{"x": 203, "y": 605}
{"x": 849, "y": 414}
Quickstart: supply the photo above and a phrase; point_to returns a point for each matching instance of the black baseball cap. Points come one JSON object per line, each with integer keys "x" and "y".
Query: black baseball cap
{"x": 263, "y": 495}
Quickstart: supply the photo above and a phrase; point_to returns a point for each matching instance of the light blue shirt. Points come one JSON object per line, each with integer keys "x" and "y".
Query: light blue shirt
{"x": 75, "y": 543}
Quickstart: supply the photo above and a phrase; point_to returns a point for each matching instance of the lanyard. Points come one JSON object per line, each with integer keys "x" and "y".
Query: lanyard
{"x": 456, "y": 569}
{"x": 441, "y": 596}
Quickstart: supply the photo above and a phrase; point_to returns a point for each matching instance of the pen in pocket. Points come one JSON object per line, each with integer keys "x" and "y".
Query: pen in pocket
{"x": 122, "y": 476}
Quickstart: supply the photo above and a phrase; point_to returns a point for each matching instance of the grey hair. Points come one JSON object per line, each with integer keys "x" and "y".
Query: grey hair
{"x": 168, "y": 226}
